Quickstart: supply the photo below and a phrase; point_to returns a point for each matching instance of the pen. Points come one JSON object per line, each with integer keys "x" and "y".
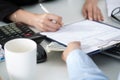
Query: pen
{"x": 44, "y": 9}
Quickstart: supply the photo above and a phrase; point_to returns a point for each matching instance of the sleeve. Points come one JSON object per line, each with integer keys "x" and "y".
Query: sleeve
{"x": 118, "y": 76}
{"x": 81, "y": 67}
{"x": 6, "y": 9}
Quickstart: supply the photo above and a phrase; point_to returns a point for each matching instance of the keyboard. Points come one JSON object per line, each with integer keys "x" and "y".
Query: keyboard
{"x": 13, "y": 31}
{"x": 113, "y": 52}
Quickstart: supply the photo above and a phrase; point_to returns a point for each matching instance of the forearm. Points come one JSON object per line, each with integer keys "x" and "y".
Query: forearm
{"x": 41, "y": 22}
{"x": 81, "y": 67}
{"x": 22, "y": 16}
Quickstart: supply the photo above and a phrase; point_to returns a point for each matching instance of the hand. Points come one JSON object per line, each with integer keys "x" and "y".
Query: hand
{"x": 71, "y": 46}
{"x": 43, "y": 22}
{"x": 91, "y": 11}
{"x": 0, "y": 78}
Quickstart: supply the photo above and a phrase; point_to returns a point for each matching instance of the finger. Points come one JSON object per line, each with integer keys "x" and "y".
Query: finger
{"x": 63, "y": 57}
{"x": 89, "y": 13}
{"x": 100, "y": 17}
{"x": 47, "y": 28}
{"x": 47, "y": 25}
{"x": 56, "y": 18}
{"x": 42, "y": 27}
{"x": 95, "y": 14}
{"x": 52, "y": 25}
{"x": 74, "y": 45}
{"x": 84, "y": 12}
{"x": 51, "y": 29}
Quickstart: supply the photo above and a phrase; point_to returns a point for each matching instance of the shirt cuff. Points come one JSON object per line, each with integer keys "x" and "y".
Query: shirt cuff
{"x": 80, "y": 58}
{"x": 81, "y": 67}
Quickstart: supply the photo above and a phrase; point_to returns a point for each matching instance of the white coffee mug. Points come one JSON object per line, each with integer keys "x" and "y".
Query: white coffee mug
{"x": 20, "y": 58}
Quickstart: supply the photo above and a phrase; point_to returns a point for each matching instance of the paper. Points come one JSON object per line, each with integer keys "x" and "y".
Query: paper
{"x": 92, "y": 35}
{"x": 111, "y": 5}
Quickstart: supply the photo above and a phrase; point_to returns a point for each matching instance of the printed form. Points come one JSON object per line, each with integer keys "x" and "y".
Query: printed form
{"x": 92, "y": 35}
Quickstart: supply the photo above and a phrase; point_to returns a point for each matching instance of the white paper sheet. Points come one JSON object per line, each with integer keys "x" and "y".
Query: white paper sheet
{"x": 111, "y": 5}
{"x": 92, "y": 35}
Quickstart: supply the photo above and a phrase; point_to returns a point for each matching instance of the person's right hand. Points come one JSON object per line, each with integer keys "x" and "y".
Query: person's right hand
{"x": 70, "y": 47}
{"x": 47, "y": 22}
{"x": 43, "y": 22}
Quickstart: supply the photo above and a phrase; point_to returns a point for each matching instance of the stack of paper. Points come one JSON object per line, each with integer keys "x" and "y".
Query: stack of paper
{"x": 92, "y": 35}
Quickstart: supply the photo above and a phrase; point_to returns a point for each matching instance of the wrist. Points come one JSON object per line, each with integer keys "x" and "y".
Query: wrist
{"x": 92, "y": 1}
{"x": 22, "y": 16}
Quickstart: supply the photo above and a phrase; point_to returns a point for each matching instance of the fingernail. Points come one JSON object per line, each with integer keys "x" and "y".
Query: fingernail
{"x": 54, "y": 21}
{"x": 85, "y": 17}
{"x": 102, "y": 19}
{"x": 62, "y": 24}
{"x": 90, "y": 18}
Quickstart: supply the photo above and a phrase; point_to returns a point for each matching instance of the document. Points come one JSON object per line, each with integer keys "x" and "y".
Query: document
{"x": 111, "y": 5}
{"x": 92, "y": 35}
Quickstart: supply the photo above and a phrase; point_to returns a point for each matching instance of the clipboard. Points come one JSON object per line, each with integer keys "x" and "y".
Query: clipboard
{"x": 94, "y": 36}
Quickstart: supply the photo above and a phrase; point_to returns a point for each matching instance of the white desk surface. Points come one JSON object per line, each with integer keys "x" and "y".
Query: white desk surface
{"x": 54, "y": 68}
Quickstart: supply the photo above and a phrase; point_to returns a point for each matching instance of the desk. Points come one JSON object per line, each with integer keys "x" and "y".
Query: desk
{"x": 54, "y": 68}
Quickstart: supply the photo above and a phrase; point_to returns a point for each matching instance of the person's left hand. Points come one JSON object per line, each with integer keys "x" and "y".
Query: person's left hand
{"x": 70, "y": 47}
{"x": 91, "y": 11}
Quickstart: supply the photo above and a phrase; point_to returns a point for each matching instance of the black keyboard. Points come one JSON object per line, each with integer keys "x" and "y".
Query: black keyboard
{"x": 14, "y": 30}
{"x": 114, "y": 51}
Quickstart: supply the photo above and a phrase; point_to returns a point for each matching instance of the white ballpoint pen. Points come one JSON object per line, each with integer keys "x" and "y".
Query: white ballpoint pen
{"x": 44, "y": 9}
